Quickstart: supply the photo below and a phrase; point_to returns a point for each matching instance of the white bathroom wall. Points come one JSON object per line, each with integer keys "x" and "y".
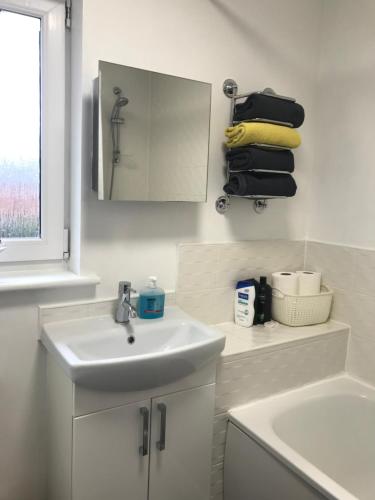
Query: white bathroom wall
{"x": 341, "y": 208}
{"x": 22, "y": 391}
{"x": 207, "y": 41}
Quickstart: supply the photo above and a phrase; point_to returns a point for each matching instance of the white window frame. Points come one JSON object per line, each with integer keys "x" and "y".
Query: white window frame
{"x": 50, "y": 245}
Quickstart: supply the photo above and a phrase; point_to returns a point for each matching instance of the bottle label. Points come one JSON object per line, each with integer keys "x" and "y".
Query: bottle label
{"x": 244, "y": 306}
{"x": 149, "y": 307}
{"x": 153, "y": 305}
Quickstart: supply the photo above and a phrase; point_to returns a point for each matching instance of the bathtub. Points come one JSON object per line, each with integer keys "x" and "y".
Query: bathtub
{"x": 316, "y": 442}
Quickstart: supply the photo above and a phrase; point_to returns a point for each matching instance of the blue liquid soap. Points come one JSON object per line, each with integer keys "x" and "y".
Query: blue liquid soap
{"x": 151, "y": 300}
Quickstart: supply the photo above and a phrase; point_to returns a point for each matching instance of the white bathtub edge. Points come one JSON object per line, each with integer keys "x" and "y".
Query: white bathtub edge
{"x": 255, "y": 420}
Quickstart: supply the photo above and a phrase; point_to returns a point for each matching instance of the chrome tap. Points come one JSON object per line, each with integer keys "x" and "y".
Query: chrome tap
{"x": 125, "y": 310}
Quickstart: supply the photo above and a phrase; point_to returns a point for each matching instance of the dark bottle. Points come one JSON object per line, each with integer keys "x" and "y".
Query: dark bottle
{"x": 264, "y": 302}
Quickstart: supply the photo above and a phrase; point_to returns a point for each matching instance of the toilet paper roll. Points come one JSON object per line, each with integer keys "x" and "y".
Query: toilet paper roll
{"x": 286, "y": 282}
{"x": 309, "y": 282}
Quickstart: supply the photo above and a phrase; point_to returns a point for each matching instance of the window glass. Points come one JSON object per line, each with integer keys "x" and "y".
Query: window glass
{"x": 20, "y": 126}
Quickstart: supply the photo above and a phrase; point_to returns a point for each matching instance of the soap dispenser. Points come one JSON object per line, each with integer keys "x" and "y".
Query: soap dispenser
{"x": 151, "y": 300}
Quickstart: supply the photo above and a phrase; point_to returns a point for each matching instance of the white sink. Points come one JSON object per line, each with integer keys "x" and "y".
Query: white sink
{"x": 97, "y": 352}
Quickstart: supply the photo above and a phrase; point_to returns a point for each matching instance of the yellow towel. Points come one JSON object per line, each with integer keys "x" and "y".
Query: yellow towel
{"x": 262, "y": 133}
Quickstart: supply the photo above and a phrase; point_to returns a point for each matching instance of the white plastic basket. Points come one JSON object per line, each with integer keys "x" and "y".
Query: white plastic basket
{"x": 301, "y": 310}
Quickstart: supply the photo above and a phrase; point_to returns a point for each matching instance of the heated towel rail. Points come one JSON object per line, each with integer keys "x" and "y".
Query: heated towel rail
{"x": 230, "y": 89}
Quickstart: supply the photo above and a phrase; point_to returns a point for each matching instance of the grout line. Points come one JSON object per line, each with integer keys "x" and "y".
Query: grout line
{"x": 215, "y": 464}
{"x": 346, "y": 363}
{"x": 221, "y": 414}
{"x": 335, "y": 244}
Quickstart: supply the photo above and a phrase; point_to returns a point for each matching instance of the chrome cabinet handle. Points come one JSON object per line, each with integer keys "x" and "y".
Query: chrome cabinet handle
{"x": 143, "y": 449}
{"x": 160, "y": 445}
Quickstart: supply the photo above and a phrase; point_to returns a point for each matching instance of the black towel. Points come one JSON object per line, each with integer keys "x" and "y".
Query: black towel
{"x": 270, "y": 108}
{"x": 255, "y": 158}
{"x": 260, "y": 184}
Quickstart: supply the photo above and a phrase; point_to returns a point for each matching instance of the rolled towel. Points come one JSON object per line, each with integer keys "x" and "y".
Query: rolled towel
{"x": 254, "y": 158}
{"x": 244, "y": 134}
{"x": 261, "y": 184}
{"x": 269, "y": 108}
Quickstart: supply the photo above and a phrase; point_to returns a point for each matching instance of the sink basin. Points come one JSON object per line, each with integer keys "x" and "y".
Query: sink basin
{"x": 101, "y": 354}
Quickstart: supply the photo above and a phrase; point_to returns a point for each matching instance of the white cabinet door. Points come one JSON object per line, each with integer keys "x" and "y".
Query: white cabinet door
{"x": 180, "y": 464}
{"x": 109, "y": 461}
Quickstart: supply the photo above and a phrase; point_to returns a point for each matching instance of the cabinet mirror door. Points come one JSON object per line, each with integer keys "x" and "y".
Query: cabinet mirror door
{"x": 151, "y": 135}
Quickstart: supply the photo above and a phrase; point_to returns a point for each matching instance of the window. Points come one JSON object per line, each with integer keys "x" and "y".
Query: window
{"x": 32, "y": 130}
{"x": 19, "y": 126}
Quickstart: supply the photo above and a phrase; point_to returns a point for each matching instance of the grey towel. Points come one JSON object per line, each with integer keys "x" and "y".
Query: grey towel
{"x": 260, "y": 184}
{"x": 256, "y": 158}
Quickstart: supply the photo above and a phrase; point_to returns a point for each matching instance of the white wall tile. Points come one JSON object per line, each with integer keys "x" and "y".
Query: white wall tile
{"x": 246, "y": 379}
{"x": 217, "y": 268}
{"x": 361, "y": 358}
{"x": 217, "y": 481}
{"x": 220, "y": 432}
{"x": 85, "y": 309}
{"x": 364, "y": 271}
{"x": 210, "y": 306}
{"x": 351, "y": 271}
{"x": 51, "y": 314}
{"x": 335, "y": 262}
{"x": 357, "y": 310}
{"x": 196, "y": 264}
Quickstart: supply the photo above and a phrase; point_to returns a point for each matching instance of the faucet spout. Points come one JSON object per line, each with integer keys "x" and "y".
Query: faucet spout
{"x": 125, "y": 309}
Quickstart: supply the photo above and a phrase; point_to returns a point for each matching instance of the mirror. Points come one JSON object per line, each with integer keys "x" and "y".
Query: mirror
{"x": 151, "y": 134}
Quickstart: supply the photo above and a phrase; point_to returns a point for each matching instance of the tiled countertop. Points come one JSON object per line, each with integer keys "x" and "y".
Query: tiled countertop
{"x": 241, "y": 341}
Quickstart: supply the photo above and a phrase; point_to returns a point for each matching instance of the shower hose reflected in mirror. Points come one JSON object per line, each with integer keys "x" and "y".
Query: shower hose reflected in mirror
{"x": 116, "y": 121}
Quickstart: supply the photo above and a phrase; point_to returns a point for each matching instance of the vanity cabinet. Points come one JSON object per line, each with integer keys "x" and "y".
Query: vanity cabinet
{"x": 123, "y": 454}
{"x": 155, "y": 448}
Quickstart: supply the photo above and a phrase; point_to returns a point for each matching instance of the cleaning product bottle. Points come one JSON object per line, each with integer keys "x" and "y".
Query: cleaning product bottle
{"x": 263, "y": 302}
{"x": 151, "y": 300}
{"x": 244, "y": 303}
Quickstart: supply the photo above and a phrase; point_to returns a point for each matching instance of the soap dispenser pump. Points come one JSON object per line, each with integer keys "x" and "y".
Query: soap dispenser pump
{"x": 151, "y": 300}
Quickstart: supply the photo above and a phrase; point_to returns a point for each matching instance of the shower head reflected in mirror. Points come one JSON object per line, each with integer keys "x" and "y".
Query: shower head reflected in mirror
{"x": 122, "y": 101}
{"x": 116, "y": 121}
{"x": 119, "y": 103}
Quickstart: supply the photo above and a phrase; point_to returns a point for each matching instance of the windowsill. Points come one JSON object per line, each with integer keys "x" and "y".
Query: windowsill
{"x": 39, "y": 279}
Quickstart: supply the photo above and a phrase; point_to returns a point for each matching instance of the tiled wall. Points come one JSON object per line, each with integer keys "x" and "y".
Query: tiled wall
{"x": 207, "y": 273}
{"x": 351, "y": 273}
{"x": 258, "y": 375}
{"x": 86, "y": 309}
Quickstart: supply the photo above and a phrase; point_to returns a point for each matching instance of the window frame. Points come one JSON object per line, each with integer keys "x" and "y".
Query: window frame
{"x": 53, "y": 113}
